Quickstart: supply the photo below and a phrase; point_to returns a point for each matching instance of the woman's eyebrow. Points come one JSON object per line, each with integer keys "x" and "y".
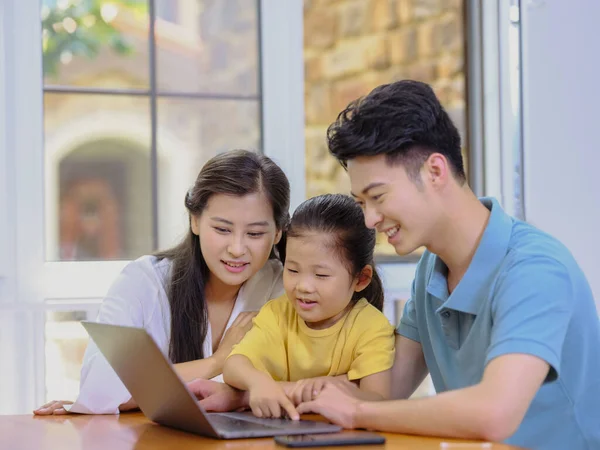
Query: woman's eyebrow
{"x": 262, "y": 223}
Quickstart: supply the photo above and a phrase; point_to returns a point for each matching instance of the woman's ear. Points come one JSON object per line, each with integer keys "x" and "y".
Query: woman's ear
{"x": 278, "y": 237}
{"x": 364, "y": 278}
{"x": 195, "y": 225}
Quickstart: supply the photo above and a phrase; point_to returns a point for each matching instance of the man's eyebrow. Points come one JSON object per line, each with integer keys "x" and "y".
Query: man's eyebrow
{"x": 368, "y": 188}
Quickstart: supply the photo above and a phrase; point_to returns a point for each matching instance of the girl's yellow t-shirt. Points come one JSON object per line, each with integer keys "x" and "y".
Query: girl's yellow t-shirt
{"x": 281, "y": 344}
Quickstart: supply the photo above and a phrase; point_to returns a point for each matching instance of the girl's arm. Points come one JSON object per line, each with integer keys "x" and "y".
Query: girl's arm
{"x": 370, "y": 388}
{"x": 267, "y": 398}
{"x": 376, "y": 387}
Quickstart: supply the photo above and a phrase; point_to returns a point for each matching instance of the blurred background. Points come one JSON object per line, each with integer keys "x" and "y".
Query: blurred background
{"x": 108, "y": 109}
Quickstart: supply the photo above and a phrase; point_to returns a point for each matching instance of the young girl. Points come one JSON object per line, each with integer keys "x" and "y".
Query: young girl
{"x": 191, "y": 298}
{"x": 329, "y": 322}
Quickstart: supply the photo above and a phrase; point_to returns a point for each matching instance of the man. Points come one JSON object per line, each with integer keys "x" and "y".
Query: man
{"x": 501, "y": 315}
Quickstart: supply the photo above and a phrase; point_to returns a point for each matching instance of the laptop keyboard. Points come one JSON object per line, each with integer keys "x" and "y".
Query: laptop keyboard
{"x": 223, "y": 422}
{"x": 241, "y": 421}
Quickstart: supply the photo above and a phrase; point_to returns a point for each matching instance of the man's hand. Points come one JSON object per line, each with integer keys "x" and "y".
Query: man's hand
{"x": 336, "y": 403}
{"x": 218, "y": 397}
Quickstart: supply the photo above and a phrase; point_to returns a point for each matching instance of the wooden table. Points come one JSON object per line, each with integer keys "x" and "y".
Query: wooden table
{"x": 135, "y": 431}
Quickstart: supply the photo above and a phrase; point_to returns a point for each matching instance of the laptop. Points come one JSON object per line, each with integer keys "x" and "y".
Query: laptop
{"x": 164, "y": 398}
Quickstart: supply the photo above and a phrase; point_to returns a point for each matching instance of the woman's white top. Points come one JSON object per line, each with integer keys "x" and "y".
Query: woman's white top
{"x": 138, "y": 298}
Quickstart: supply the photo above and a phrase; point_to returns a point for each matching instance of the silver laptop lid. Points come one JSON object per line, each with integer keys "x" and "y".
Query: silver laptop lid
{"x": 149, "y": 377}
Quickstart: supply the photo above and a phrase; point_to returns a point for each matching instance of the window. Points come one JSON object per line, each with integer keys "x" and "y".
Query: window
{"x": 102, "y": 140}
{"x": 133, "y": 106}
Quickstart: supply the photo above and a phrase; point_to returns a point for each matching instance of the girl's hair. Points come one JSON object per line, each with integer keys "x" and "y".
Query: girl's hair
{"x": 343, "y": 218}
{"x": 237, "y": 172}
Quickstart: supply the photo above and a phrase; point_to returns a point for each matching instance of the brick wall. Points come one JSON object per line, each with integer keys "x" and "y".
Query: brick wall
{"x": 352, "y": 46}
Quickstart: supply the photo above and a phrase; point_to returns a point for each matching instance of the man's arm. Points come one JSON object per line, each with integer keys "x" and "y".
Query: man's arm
{"x": 491, "y": 410}
{"x": 409, "y": 368}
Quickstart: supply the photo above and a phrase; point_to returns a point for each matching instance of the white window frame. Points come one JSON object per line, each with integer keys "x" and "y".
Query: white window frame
{"x": 30, "y": 286}
{"x": 500, "y": 86}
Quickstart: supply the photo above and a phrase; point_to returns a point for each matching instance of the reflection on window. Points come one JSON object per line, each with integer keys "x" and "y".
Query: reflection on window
{"x": 66, "y": 341}
{"x": 123, "y": 144}
{"x": 98, "y": 199}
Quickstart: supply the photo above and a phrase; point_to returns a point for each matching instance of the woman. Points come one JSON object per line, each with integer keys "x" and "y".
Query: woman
{"x": 194, "y": 298}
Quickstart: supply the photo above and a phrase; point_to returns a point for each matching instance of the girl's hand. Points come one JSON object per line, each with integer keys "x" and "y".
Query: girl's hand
{"x": 307, "y": 389}
{"x": 268, "y": 399}
{"x": 337, "y": 404}
{"x": 55, "y": 407}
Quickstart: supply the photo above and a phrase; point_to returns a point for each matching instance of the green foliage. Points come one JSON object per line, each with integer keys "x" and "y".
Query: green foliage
{"x": 82, "y": 28}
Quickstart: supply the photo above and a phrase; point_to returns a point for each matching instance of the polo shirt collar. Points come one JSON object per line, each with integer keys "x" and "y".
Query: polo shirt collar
{"x": 473, "y": 287}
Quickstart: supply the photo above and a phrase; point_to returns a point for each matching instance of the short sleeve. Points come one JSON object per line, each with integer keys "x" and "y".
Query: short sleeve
{"x": 374, "y": 352}
{"x": 101, "y": 391}
{"x": 264, "y": 344}
{"x": 408, "y": 323}
{"x": 531, "y": 310}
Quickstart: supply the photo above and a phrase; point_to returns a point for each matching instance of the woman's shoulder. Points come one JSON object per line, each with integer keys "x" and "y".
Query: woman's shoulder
{"x": 135, "y": 294}
{"x": 142, "y": 276}
{"x": 271, "y": 272}
{"x": 263, "y": 286}
{"x": 148, "y": 266}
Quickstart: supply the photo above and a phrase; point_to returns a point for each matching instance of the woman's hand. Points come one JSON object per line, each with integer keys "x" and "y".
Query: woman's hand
{"x": 238, "y": 329}
{"x": 55, "y": 407}
{"x": 268, "y": 399}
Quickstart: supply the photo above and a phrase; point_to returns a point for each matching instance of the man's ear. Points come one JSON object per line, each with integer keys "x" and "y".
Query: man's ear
{"x": 364, "y": 278}
{"x": 436, "y": 170}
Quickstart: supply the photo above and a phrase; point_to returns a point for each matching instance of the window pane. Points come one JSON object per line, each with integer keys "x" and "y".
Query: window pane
{"x": 66, "y": 341}
{"x": 95, "y": 43}
{"x": 208, "y": 46}
{"x": 98, "y": 177}
{"x": 190, "y": 132}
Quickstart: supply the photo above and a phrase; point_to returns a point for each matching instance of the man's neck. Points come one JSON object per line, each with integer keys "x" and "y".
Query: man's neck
{"x": 458, "y": 236}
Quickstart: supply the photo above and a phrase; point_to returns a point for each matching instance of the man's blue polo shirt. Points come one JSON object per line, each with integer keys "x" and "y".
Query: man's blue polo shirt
{"x": 522, "y": 293}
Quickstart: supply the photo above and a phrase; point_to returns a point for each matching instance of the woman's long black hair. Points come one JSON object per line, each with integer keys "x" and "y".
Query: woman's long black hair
{"x": 237, "y": 172}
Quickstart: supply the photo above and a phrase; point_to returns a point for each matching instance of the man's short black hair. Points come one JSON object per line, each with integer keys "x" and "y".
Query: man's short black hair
{"x": 404, "y": 121}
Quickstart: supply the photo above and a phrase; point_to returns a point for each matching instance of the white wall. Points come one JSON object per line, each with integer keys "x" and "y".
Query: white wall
{"x": 561, "y": 100}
